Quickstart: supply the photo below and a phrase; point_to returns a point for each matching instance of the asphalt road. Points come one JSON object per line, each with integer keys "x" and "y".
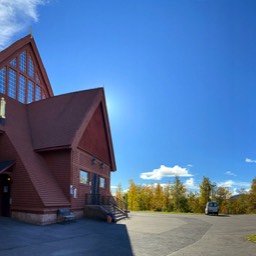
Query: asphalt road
{"x": 143, "y": 234}
{"x": 191, "y": 235}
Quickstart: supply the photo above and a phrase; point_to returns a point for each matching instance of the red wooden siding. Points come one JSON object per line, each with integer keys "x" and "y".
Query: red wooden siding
{"x": 18, "y": 130}
{"x": 94, "y": 139}
{"x": 83, "y": 161}
{"x": 23, "y": 193}
{"x": 59, "y": 163}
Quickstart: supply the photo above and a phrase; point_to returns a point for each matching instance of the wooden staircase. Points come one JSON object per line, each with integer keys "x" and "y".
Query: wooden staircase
{"x": 116, "y": 213}
{"x": 104, "y": 206}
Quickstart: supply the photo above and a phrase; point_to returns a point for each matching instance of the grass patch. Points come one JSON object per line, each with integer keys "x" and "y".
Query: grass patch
{"x": 251, "y": 238}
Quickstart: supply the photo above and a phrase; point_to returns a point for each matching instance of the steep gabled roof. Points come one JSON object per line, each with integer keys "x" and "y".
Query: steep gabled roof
{"x": 54, "y": 121}
{"x": 26, "y": 42}
{"x": 18, "y": 131}
{"x": 49, "y": 124}
{"x": 60, "y": 121}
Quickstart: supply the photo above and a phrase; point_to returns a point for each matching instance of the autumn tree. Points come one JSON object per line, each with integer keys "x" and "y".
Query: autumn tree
{"x": 141, "y": 198}
{"x": 146, "y": 196}
{"x": 173, "y": 197}
{"x": 252, "y": 197}
{"x": 158, "y": 198}
{"x": 178, "y": 192}
{"x": 119, "y": 191}
{"x": 241, "y": 204}
{"x": 133, "y": 196}
{"x": 193, "y": 203}
{"x": 121, "y": 198}
{"x": 167, "y": 198}
{"x": 205, "y": 192}
{"x": 222, "y": 196}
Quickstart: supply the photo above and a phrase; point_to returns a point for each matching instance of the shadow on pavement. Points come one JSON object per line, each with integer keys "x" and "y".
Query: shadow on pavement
{"x": 82, "y": 237}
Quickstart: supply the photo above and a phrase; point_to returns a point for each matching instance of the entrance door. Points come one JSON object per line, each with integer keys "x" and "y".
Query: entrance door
{"x": 5, "y": 186}
{"x": 95, "y": 189}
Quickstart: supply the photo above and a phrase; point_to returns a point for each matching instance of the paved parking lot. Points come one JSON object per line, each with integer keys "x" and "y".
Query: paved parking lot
{"x": 189, "y": 235}
{"x": 144, "y": 234}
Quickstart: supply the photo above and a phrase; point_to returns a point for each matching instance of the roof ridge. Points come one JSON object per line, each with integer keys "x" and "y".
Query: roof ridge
{"x": 26, "y": 38}
{"x": 65, "y": 94}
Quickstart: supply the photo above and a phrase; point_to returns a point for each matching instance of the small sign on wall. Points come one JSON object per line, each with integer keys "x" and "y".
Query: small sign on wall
{"x": 75, "y": 192}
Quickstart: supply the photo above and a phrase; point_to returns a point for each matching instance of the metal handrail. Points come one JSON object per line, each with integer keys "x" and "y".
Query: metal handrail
{"x": 98, "y": 199}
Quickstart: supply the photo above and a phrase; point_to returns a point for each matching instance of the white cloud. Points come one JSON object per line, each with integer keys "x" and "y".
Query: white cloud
{"x": 15, "y": 15}
{"x": 235, "y": 191}
{"x": 164, "y": 171}
{"x": 234, "y": 186}
{"x": 190, "y": 184}
{"x": 226, "y": 184}
{"x": 248, "y": 160}
{"x": 230, "y": 173}
{"x": 114, "y": 190}
{"x": 154, "y": 185}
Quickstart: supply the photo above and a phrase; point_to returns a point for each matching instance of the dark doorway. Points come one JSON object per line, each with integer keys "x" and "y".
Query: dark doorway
{"x": 5, "y": 186}
{"x": 95, "y": 189}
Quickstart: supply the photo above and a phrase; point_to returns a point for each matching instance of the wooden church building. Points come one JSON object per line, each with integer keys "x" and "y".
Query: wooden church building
{"x": 54, "y": 150}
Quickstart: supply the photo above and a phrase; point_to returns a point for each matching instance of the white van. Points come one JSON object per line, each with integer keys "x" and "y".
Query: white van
{"x": 212, "y": 208}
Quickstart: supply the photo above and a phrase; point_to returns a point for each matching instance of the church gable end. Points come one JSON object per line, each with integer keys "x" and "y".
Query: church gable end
{"x": 95, "y": 139}
{"x": 50, "y": 142}
{"x": 22, "y": 75}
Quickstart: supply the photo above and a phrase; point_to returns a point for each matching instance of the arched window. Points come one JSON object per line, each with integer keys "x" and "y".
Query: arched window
{"x": 20, "y": 79}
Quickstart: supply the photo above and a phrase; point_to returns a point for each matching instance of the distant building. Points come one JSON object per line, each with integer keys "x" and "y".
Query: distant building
{"x": 53, "y": 149}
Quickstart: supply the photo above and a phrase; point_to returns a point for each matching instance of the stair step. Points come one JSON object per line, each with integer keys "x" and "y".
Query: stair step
{"x": 117, "y": 214}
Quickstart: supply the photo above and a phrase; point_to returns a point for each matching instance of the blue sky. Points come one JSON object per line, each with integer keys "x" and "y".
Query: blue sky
{"x": 179, "y": 78}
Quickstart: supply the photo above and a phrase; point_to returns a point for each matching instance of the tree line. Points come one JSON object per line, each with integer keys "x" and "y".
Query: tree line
{"x": 175, "y": 198}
